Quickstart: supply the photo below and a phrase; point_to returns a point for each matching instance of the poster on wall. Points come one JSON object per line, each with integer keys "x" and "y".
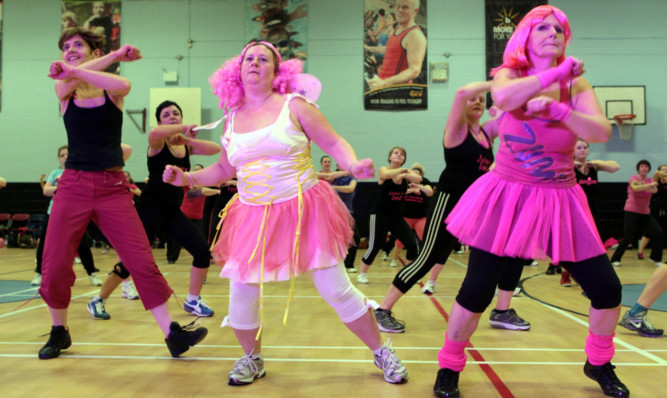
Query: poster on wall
{"x": 102, "y": 17}
{"x": 283, "y": 23}
{"x": 0, "y": 55}
{"x": 395, "y": 73}
{"x": 502, "y": 17}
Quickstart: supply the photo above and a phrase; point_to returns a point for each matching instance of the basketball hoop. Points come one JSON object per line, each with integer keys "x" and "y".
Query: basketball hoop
{"x": 625, "y": 124}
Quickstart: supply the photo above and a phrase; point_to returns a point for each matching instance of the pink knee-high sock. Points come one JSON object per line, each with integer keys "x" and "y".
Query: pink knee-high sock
{"x": 600, "y": 349}
{"x": 452, "y": 355}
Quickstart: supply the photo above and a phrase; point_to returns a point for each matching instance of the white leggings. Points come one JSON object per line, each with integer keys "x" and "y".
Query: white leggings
{"x": 332, "y": 283}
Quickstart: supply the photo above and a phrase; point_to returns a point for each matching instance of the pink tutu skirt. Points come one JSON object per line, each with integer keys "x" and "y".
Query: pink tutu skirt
{"x": 510, "y": 219}
{"x": 270, "y": 231}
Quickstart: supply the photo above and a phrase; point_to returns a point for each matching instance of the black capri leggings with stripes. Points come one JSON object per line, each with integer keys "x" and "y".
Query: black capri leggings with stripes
{"x": 378, "y": 226}
{"x": 437, "y": 242}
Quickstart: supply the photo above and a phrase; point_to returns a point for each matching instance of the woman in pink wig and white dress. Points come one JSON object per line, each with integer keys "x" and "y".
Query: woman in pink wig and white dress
{"x": 266, "y": 144}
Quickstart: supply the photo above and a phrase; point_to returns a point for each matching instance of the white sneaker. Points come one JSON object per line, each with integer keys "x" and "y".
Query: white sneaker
{"x": 94, "y": 280}
{"x": 393, "y": 263}
{"x": 129, "y": 292}
{"x": 387, "y": 360}
{"x": 362, "y": 278}
{"x": 534, "y": 263}
{"x": 384, "y": 256}
{"x": 616, "y": 263}
{"x": 429, "y": 288}
{"x": 351, "y": 270}
{"x": 37, "y": 280}
{"x": 658, "y": 263}
{"x": 77, "y": 260}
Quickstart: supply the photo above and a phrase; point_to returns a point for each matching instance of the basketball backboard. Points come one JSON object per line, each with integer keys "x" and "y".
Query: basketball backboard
{"x": 618, "y": 100}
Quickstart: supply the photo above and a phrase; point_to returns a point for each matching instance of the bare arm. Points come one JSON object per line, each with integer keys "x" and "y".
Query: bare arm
{"x": 49, "y": 189}
{"x": 415, "y": 45}
{"x": 127, "y": 151}
{"x": 425, "y": 188}
{"x": 385, "y": 173}
{"x": 318, "y": 129}
{"x": 117, "y": 85}
{"x": 605, "y": 165}
{"x": 637, "y": 186}
{"x": 213, "y": 175}
{"x": 456, "y": 127}
{"x": 41, "y": 181}
{"x": 3, "y": 182}
{"x": 346, "y": 188}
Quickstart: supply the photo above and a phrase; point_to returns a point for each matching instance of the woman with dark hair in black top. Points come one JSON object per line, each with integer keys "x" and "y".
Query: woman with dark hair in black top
{"x": 93, "y": 187}
{"x": 159, "y": 205}
{"x": 387, "y": 213}
{"x": 468, "y": 154}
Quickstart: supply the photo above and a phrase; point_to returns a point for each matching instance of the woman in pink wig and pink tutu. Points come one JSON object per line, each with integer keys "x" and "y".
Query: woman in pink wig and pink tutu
{"x": 529, "y": 205}
{"x": 284, "y": 222}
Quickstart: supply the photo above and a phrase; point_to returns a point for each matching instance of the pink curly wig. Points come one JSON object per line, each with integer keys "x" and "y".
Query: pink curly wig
{"x": 515, "y": 55}
{"x": 226, "y": 81}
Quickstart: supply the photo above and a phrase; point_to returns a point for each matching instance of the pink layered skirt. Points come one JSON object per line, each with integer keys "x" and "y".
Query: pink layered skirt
{"x": 510, "y": 219}
{"x": 257, "y": 243}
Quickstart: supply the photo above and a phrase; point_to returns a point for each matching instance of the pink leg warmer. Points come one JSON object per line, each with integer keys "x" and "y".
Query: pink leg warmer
{"x": 600, "y": 349}
{"x": 452, "y": 355}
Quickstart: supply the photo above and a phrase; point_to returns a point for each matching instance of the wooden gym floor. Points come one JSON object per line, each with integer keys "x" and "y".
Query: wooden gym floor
{"x": 315, "y": 355}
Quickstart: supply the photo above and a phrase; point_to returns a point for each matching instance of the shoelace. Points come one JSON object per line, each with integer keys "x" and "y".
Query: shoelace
{"x": 393, "y": 320}
{"x": 608, "y": 373}
{"x": 190, "y": 326}
{"x": 243, "y": 362}
{"x": 648, "y": 324}
{"x": 389, "y": 359}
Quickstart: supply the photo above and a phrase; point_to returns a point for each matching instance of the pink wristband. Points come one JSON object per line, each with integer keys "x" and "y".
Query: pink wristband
{"x": 191, "y": 181}
{"x": 548, "y": 76}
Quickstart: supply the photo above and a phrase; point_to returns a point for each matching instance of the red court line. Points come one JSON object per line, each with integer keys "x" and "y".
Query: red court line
{"x": 490, "y": 373}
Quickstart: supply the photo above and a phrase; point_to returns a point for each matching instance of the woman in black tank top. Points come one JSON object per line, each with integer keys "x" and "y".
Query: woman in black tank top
{"x": 387, "y": 213}
{"x": 171, "y": 142}
{"x": 93, "y": 187}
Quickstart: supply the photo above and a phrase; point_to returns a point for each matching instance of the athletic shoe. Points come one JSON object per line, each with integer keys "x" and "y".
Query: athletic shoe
{"x": 198, "y": 307}
{"x": 616, "y": 263}
{"x": 551, "y": 269}
{"x": 248, "y": 368}
{"x": 447, "y": 384}
{"x": 351, "y": 270}
{"x": 129, "y": 292}
{"x": 565, "y": 279}
{"x": 640, "y": 324}
{"x": 534, "y": 263}
{"x": 393, "y": 263}
{"x": 658, "y": 263}
{"x": 94, "y": 280}
{"x": 37, "y": 280}
{"x": 429, "y": 288}
{"x": 606, "y": 377}
{"x": 181, "y": 338}
{"x": 96, "y": 309}
{"x": 77, "y": 260}
{"x": 509, "y": 320}
{"x": 59, "y": 339}
{"x": 387, "y": 360}
{"x": 362, "y": 278}
{"x": 559, "y": 269}
{"x": 387, "y": 323}
{"x": 385, "y": 256}
{"x": 640, "y": 256}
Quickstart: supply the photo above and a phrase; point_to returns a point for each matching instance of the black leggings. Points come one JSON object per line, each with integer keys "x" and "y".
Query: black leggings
{"x": 437, "y": 242}
{"x": 634, "y": 223}
{"x": 85, "y": 254}
{"x": 595, "y": 275}
{"x": 179, "y": 228}
{"x": 352, "y": 250}
{"x": 379, "y": 225}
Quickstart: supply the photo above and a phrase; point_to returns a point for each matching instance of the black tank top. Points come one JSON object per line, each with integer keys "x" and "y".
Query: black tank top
{"x": 93, "y": 136}
{"x": 156, "y": 191}
{"x": 415, "y": 205}
{"x": 465, "y": 164}
{"x": 589, "y": 183}
{"x": 390, "y": 198}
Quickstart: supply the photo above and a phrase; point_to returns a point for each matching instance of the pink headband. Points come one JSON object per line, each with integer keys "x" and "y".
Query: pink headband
{"x": 265, "y": 43}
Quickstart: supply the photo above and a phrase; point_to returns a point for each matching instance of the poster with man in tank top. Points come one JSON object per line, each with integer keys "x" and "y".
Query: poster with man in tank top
{"x": 395, "y": 76}
{"x": 102, "y": 17}
{"x": 283, "y": 23}
{"x": 502, "y": 16}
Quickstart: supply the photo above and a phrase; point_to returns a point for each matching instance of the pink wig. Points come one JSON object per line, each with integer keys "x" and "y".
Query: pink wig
{"x": 515, "y": 56}
{"x": 226, "y": 81}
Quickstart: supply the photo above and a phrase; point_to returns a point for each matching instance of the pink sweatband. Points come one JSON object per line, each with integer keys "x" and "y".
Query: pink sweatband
{"x": 599, "y": 349}
{"x": 452, "y": 355}
{"x": 548, "y": 76}
{"x": 557, "y": 112}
